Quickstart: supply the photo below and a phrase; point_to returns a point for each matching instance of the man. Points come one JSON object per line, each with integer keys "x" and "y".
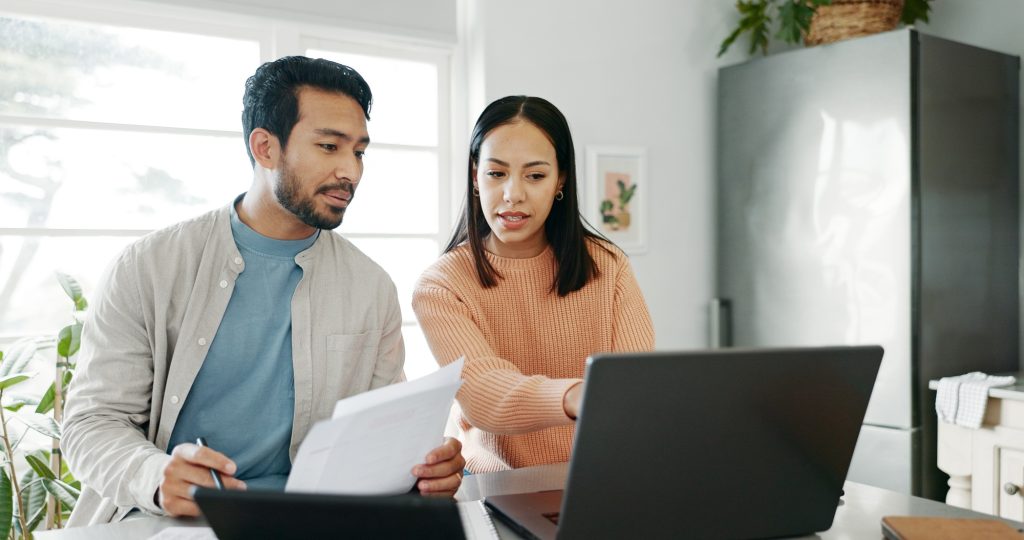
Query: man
{"x": 244, "y": 325}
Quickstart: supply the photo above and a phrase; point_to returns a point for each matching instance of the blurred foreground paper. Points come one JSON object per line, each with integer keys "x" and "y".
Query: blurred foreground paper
{"x": 374, "y": 439}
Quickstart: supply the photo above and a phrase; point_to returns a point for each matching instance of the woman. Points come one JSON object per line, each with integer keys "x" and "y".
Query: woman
{"x": 525, "y": 292}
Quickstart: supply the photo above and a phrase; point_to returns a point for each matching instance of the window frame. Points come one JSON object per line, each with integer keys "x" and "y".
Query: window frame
{"x": 276, "y": 38}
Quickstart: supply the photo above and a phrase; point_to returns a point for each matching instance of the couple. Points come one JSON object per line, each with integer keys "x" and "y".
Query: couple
{"x": 246, "y": 324}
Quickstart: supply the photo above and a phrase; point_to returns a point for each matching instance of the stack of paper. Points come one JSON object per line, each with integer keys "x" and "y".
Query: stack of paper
{"x": 374, "y": 439}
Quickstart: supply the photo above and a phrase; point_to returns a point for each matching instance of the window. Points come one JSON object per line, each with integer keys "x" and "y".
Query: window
{"x": 110, "y": 130}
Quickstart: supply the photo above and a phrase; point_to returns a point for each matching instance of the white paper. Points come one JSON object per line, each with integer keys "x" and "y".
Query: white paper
{"x": 374, "y": 439}
{"x": 185, "y": 533}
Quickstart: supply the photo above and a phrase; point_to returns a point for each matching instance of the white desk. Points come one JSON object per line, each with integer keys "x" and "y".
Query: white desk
{"x": 859, "y": 516}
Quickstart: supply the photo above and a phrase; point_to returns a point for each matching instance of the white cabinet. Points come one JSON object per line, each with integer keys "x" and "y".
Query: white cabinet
{"x": 986, "y": 465}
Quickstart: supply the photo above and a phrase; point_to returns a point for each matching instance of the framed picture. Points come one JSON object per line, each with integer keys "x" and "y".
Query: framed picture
{"x": 615, "y": 196}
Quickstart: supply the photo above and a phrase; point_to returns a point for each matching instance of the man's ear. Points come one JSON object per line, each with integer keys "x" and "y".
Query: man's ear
{"x": 265, "y": 148}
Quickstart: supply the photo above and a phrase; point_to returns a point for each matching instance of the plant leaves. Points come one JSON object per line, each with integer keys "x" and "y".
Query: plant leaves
{"x": 73, "y": 290}
{"x": 69, "y": 340}
{"x": 754, "y": 19}
{"x": 40, "y": 466}
{"x": 915, "y": 10}
{"x": 6, "y": 504}
{"x": 66, "y": 494}
{"x": 41, "y": 423}
{"x": 14, "y": 378}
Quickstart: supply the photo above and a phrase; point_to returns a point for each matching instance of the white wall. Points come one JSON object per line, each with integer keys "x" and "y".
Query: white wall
{"x": 636, "y": 73}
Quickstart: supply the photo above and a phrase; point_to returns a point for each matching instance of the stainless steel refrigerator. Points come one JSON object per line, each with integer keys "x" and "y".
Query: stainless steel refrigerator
{"x": 868, "y": 193}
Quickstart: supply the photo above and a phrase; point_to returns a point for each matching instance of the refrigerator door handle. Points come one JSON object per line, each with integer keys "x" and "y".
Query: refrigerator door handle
{"x": 720, "y": 323}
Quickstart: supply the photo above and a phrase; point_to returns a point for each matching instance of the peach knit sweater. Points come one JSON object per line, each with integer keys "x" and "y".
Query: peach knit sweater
{"x": 525, "y": 347}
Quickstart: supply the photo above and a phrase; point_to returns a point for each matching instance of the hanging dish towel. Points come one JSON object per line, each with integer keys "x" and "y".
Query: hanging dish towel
{"x": 961, "y": 400}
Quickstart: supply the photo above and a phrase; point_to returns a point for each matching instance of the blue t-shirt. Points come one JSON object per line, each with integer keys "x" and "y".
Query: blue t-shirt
{"x": 243, "y": 398}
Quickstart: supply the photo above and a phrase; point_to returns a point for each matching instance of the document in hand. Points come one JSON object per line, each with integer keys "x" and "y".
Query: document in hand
{"x": 374, "y": 439}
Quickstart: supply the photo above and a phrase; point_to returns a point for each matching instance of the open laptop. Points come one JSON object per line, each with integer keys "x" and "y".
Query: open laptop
{"x": 728, "y": 443}
{"x": 276, "y": 514}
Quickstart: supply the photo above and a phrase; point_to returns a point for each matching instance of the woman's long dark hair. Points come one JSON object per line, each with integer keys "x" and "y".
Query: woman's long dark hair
{"x": 564, "y": 226}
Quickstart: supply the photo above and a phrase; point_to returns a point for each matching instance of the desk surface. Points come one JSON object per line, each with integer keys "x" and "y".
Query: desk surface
{"x": 859, "y": 516}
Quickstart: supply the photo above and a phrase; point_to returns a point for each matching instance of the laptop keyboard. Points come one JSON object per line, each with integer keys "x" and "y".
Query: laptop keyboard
{"x": 552, "y": 517}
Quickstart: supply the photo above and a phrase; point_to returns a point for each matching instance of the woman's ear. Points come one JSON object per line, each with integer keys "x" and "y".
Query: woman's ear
{"x": 265, "y": 148}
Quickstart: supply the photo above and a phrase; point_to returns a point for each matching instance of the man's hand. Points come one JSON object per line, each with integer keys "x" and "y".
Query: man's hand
{"x": 190, "y": 466}
{"x": 441, "y": 475}
{"x": 572, "y": 399}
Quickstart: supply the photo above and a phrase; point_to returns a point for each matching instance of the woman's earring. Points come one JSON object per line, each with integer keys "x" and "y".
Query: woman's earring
{"x": 476, "y": 192}
{"x": 559, "y": 196}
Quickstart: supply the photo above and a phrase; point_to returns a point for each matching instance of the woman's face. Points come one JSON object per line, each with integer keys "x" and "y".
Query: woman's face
{"x": 517, "y": 176}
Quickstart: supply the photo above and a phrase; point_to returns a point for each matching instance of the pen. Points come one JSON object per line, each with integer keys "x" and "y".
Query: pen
{"x": 213, "y": 472}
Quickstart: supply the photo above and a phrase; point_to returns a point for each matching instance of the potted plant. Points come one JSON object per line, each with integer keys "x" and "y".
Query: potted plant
{"x": 816, "y": 22}
{"x": 45, "y": 490}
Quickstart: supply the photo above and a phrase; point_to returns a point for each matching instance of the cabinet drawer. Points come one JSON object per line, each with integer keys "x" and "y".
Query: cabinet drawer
{"x": 1010, "y": 487}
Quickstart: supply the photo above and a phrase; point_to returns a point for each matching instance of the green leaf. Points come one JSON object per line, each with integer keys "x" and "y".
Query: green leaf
{"x": 69, "y": 340}
{"x": 6, "y": 504}
{"x": 41, "y": 423}
{"x": 46, "y": 404}
{"x": 915, "y": 10}
{"x": 794, "y": 20}
{"x": 33, "y": 498}
{"x": 16, "y": 402}
{"x": 40, "y": 466}
{"x": 19, "y": 356}
{"x": 67, "y": 495}
{"x": 73, "y": 290}
{"x": 39, "y": 514}
{"x": 14, "y": 378}
{"x": 18, "y": 442}
{"x": 728, "y": 41}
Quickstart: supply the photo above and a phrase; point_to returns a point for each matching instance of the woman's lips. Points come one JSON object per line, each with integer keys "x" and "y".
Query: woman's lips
{"x": 513, "y": 220}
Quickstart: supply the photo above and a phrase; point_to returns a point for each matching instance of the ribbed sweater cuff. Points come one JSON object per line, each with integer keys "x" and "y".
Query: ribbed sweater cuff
{"x": 552, "y": 392}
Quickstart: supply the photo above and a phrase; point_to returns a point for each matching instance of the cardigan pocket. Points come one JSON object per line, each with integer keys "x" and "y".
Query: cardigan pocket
{"x": 351, "y": 360}
{"x": 348, "y": 342}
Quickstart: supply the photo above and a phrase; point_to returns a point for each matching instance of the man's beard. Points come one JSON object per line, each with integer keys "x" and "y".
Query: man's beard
{"x": 288, "y": 194}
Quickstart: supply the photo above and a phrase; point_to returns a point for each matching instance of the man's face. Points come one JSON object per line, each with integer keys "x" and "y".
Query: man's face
{"x": 323, "y": 161}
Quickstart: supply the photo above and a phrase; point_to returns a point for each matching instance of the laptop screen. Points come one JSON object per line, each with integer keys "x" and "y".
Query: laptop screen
{"x": 723, "y": 443}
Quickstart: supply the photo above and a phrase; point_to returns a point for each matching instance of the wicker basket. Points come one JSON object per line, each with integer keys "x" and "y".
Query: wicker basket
{"x": 844, "y": 19}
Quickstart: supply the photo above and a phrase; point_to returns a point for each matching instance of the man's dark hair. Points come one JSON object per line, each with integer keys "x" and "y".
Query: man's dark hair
{"x": 565, "y": 228}
{"x": 271, "y": 98}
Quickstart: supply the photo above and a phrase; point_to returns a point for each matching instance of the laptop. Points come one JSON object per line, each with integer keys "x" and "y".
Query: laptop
{"x": 276, "y": 514}
{"x": 728, "y": 443}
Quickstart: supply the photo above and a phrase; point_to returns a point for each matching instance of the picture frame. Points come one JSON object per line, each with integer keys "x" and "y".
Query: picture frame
{"x": 615, "y": 196}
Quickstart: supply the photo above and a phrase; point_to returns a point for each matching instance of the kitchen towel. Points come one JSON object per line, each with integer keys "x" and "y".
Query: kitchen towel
{"x": 961, "y": 400}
